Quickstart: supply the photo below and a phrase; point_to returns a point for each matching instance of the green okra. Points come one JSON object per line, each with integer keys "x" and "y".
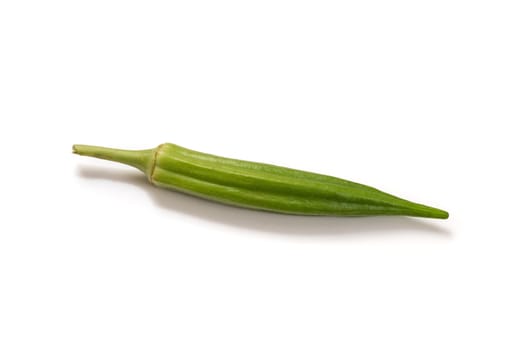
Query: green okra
{"x": 257, "y": 185}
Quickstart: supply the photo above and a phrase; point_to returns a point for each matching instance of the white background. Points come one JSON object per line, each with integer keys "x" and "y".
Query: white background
{"x": 423, "y": 99}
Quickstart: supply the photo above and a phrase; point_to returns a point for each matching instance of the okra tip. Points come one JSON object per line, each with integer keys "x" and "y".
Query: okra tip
{"x": 440, "y": 214}
{"x": 426, "y": 211}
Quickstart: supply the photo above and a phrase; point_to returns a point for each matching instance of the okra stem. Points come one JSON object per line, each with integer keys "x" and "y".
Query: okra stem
{"x": 141, "y": 159}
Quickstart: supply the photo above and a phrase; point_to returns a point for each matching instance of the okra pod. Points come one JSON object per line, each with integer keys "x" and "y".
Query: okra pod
{"x": 257, "y": 185}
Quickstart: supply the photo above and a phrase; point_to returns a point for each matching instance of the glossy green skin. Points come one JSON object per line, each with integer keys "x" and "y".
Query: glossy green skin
{"x": 259, "y": 186}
